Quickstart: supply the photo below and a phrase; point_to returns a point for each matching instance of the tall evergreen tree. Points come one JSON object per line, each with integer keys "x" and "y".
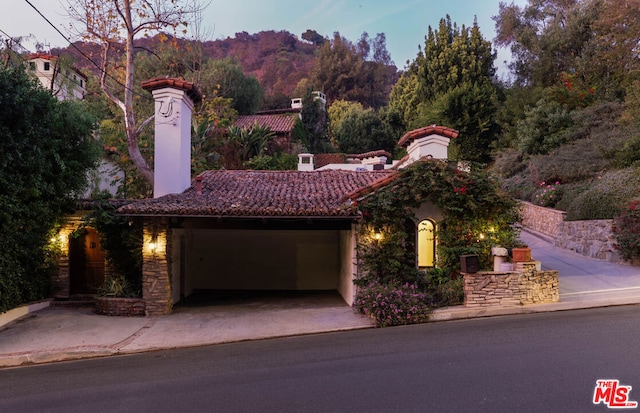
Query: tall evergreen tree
{"x": 452, "y": 82}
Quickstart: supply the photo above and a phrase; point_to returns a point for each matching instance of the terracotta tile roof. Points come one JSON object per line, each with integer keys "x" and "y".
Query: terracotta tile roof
{"x": 161, "y": 82}
{"x": 323, "y": 159}
{"x": 278, "y": 123}
{"x": 369, "y": 155}
{"x": 373, "y": 186}
{"x": 426, "y": 131}
{"x": 233, "y": 193}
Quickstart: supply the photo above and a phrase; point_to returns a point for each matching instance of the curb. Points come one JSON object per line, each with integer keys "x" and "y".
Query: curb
{"x": 463, "y": 313}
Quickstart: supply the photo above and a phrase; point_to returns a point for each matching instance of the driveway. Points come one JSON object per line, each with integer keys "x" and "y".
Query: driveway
{"x": 581, "y": 275}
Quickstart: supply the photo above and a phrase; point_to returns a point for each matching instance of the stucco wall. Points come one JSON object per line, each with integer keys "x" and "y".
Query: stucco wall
{"x": 269, "y": 260}
{"x": 348, "y": 267}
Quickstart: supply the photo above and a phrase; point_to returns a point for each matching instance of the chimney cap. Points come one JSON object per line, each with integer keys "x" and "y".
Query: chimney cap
{"x": 161, "y": 82}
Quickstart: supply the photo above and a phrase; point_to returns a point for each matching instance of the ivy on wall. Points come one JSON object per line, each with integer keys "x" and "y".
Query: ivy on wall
{"x": 477, "y": 215}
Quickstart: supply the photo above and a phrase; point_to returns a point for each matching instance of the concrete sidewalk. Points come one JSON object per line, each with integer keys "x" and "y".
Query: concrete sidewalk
{"x": 56, "y": 333}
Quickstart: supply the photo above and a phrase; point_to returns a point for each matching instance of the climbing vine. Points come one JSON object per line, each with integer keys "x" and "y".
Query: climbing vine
{"x": 476, "y": 215}
{"x": 121, "y": 239}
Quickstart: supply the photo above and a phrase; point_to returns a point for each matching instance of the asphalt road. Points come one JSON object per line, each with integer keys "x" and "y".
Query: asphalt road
{"x": 529, "y": 363}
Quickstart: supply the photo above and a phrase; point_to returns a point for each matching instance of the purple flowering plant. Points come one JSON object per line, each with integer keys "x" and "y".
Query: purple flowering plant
{"x": 392, "y": 305}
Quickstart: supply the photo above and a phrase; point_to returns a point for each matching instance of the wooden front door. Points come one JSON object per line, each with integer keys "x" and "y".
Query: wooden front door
{"x": 86, "y": 263}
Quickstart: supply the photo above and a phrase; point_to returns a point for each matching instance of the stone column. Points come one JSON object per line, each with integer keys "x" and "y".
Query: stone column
{"x": 156, "y": 267}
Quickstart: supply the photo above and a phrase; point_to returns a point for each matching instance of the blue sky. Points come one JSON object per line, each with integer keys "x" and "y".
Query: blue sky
{"x": 404, "y": 22}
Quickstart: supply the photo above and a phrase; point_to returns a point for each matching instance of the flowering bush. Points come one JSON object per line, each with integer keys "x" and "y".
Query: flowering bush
{"x": 392, "y": 305}
{"x": 626, "y": 229}
{"x": 547, "y": 195}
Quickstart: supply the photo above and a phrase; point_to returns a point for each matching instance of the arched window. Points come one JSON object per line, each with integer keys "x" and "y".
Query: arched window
{"x": 426, "y": 243}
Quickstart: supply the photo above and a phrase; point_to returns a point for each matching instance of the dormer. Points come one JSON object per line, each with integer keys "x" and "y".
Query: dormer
{"x": 428, "y": 142}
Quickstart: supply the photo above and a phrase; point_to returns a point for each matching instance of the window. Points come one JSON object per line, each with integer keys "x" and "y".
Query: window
{"x": 426, "y": 243}
{"x": 47, "y": 66}
{"x": 32, "y": 65}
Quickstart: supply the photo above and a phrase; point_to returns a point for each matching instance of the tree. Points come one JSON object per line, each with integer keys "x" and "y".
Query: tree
{"x": 471, "y": 109}
{"x": 115, "y": 23}
{"x": 313, "y": 37}
{"x": 225, "y": 78}
{"x": 452, "y": 82}
{"x": 343, "y": 72}
{"x": 453, "y": 56}
{"x": 355, "y": 129}
{"x": 45, "y": 152}
{"x": 547, "y": 37}
{"x": 312, "y": 130}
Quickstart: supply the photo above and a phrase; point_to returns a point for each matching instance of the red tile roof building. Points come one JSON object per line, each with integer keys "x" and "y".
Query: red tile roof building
{"x": 227, "y": 193}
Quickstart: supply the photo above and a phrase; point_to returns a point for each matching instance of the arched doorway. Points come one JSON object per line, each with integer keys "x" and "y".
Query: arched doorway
{"x": 426, "y": 243}
{"x": 86, "y": 263}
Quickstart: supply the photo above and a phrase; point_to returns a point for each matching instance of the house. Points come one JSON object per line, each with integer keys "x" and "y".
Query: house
{"x": 68, "y": 82}
{"x": 64, "y": 81}
{"x": 266, "y": 230}
{"x": 280, "y": 121}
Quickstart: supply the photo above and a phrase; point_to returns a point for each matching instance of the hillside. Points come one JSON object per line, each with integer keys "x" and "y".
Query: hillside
{"x": 279, "y": 60}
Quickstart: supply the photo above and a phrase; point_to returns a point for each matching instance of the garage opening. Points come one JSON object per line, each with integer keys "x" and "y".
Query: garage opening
{"x": 229, "y": 264}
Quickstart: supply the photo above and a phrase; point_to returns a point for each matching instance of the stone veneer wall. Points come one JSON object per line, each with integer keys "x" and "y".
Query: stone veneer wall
{"x": 521, "y": 287}
{"x": 590, "y": 238}
{"x": 61, "y": 279}
{"x": 156, "y": 267}
{"x": 122, "y": 307}
{"x": 541, "y": 219}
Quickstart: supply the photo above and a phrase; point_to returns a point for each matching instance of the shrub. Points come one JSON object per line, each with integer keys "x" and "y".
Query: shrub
{"x": 444, "y": 290}
{"x": 605, "y": 195}
{"x": 278, "y": 162}
{"x": 626, "y": 230}
{"x": 508, "y": 163}
{"x": 392, "y": 305}
{"x": 544, "y": 128}
{"x": 117, "y": 287}
{"x": 547, "y": 195}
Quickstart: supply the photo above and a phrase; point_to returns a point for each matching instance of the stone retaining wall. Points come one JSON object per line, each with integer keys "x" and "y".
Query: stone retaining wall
{"x": 122, "y": 307}
{"x": 522, "y": 287}
{"x": 541, "y": 219}
{"x": 590, "y": 238}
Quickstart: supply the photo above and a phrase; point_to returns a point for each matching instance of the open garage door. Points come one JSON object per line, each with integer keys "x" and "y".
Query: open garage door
{"x": 245, "y": 259}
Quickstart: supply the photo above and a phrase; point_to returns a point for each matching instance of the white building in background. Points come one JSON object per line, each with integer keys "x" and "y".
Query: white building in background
{"x": 67, "y": 82}
{"x": 64, "y": 81}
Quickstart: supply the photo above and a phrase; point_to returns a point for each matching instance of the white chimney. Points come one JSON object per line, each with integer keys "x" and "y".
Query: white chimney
{"x": 174, "y": 100}
{"x": 305, "y": 162}
{"x": 429, "y": 142}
